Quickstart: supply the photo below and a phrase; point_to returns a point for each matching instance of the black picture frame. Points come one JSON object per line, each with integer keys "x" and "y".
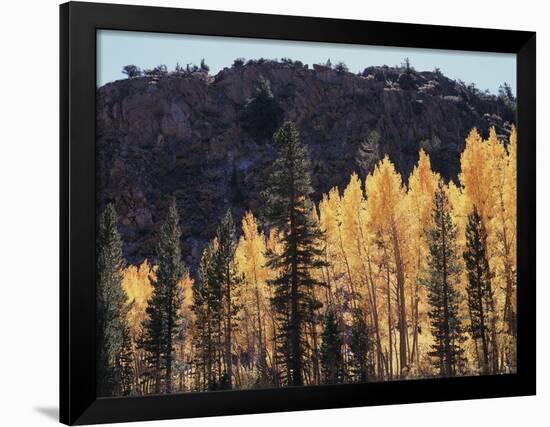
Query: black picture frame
{"x": 78, "y": 25}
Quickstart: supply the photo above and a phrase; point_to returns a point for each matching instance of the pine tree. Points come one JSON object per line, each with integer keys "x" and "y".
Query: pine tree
{"x": 153, "y": 338}
{"x": 204, "y": 67}
{"x": 170, "y": 272}
{"x": 289, "y": 211}
{"x": 443, "y": 275}
{"x": 111, "y": 302}
{"x": 163, "y": 310}
{"x": 125, "y": 364}
{"x": 422, "y": 184}
{"x": 229, "y": 281}
{"x": 201, "y": 335}
{"x": 361, "y": 347}
{"x": 215, "y": 297}
{"x": 480, "y": 293}
{"x": 331, "y": 350}
{"x": 207, "y": 310}
{"x": 262, "y": 113}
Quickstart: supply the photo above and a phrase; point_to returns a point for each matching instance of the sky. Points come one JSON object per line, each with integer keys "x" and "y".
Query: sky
{"x": 115, "y": 49}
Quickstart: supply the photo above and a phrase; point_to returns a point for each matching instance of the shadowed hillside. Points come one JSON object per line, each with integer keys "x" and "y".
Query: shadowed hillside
{"x": 207, "y": 139}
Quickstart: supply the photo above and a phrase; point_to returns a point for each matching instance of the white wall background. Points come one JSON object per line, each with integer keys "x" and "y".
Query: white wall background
{"x": 29, "y": 165}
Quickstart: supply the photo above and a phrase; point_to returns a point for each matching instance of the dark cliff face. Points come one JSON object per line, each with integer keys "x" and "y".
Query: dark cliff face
{"x": 186, "y": 135}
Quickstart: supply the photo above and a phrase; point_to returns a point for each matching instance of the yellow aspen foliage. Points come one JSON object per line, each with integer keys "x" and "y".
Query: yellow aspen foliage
{"x": 385, "y": 192}
{"x": 183, "y": 343}
{"x": 375, "y": 248}
{"x": 509, "y": 217}
{"x": 389, "y": 218}
{"x": 136, "y": 281}
{"x": 250, "y": 260}
{"x": 251, "y": 252}
{"x": 421, "y": 189}
{"x": 459, "y": 210}
{"x": 387, "y": 212}
{"x": 502, "y": 235}
{"x": 352, "y": 230}
{"x": 419, "y": 204}
{"x": 331, "y": 222}
{"x": 497, "y": 223}
{"x": 352, "y": 204}
{"x": 186, "y": 283}
{"x": 358, "y": 240}
{"x": 488, "y": 181}
{"x": 476, "y": 175}
{"x": 510, "y": 191}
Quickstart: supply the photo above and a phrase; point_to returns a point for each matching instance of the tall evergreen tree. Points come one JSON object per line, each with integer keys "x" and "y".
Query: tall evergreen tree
{"x": 202, "y": 335}
{"x": 361, "y": 347}
{"x": 111, "y": 302}
{"x": 480, "y": 293}
{"x": 214, "y": 304}
{"x": 163, "y": 310}
{"x": 289, "y": 210}
{"x": 153, "y": 338}
{"x": 226, "y": 272}
{"x": 170, "y": 272}
{"x": 207, "y": 304}
{"x": 125, "y": 364}
{"x": 443, "y": 275}
{"x": 331, "y": 350}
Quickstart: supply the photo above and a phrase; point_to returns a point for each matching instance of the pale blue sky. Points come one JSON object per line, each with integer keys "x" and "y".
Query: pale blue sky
{"x": 147, "y": 50}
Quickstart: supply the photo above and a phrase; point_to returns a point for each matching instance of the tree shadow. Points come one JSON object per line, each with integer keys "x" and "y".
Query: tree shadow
{"x": 51, "y": 412}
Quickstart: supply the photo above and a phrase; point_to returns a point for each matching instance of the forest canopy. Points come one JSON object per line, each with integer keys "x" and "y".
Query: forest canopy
{"x": 390, "y": 278}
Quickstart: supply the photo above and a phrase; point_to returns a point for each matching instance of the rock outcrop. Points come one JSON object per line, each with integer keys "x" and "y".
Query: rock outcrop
{"x": 183, "y": 134}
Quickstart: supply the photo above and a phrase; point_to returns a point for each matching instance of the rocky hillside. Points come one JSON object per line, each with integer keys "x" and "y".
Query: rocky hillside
{"x": 205, "y": 139}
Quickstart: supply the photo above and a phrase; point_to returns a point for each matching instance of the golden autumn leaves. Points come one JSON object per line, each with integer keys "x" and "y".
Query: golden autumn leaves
{"x": 375, "y": 250}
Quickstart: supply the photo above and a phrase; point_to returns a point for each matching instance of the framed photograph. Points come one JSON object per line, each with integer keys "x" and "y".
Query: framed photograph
{"x": 267, "y": 213}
